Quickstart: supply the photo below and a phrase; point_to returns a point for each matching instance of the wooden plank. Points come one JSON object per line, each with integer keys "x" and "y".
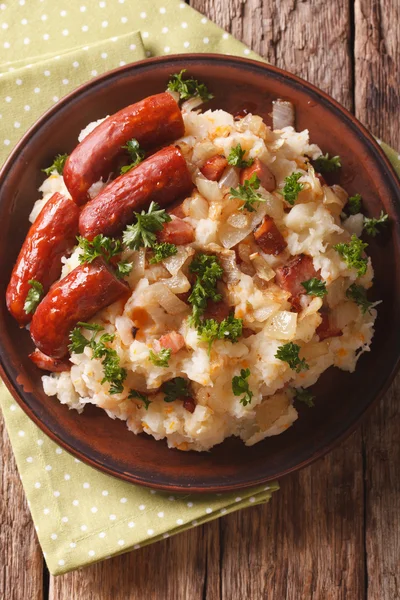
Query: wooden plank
{"x": 182, "y": 567}
{"x": 21, "y": 562}
{"x": 377, "y": 101}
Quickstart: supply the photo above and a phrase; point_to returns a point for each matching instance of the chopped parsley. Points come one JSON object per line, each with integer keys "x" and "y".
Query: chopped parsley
{"x": 135, "y": 152}
{"x": 162, "y": 251}
{"x": 236, "y": 156}
{"x": 161, "y": 359}
{"x": 188, "y": 88}
{"x": 142, "y": 397}
{"x": 58, "y": 165}
{"x": 33, "y": 296}
{"x": 354, "y": 204}
{"x": 208, "y": 271}
{"x": 352, "y": 253}
{"x": 292, "y": 188}
{"x": 290, "y": 353}
{"x": 327, "y": 164}
{"x": 315, "y": 287}
{"x": 371, "y": 224}
{"x": 105, "y": 247}
{"x": 175, "y": 389}
{"x": 247, "y": 193}
{"x": 358, "y": 294}
{"x": 240, "y": 386}
{"x": 123, "y": 268}
{"x": 303, "y": 395}
{"x": 143, "y": 232}
{"x": 210, "y": 330}
{"x": 114, "y": 374}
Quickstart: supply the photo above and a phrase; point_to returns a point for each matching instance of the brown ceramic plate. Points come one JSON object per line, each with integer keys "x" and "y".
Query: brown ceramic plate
{"x": 341, "y": 397}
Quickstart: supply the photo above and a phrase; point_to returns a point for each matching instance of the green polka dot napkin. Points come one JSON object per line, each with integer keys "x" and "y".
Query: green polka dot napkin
{"x": 47, "y": 49}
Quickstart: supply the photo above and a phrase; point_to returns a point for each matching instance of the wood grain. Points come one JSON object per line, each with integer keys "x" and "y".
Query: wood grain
{"x": 21, "y": 562}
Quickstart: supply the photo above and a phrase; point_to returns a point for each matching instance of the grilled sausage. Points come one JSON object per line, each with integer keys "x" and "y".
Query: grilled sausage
{"x": 173, "y": 341}
{"x": 54, "y": 365}
{"x": 77, "y": 297}
{"x": 176, "y": 232}
{"x": 269, "y": 238}
{"x": 162, "y": 178}
{"x": 154, "y": 121}
{"x": 50, "y": 237}
{"x": 290, "y": 276}
{"x": 265, "y": 176}
{"x": 214, "y": 167}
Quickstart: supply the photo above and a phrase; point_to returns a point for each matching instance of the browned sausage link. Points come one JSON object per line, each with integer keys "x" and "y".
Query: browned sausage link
{"x": 50, "y": 237}
{"x": 269, "y": 238}
{"x": 267, "y": 179}
{"x": 154, "y": 121}
{"x": 162, "y": 178}
{"x": 176, "y": 232}
{"x": 214, "y": 167}
{"x": 55, "y": 365}
{"x": 77, "y": 297}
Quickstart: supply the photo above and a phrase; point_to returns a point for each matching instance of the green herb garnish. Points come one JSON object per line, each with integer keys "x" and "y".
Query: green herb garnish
{"x": 236, "y": 156}
{"x": 247, "y": 193}
{"x": 358, "y": 294}
{"x": 101, "y": 245}
{"x": 123, "y": 268}
{"x": 352, "y": 253}
{"x": 210, "y": 330}
{"x": 303, "y": 395}
{"x": 188, "y": 88}
{"x": 354, "y": 204}
{"x": 240, "y": 386}
{"x": 315, "y": 287}
{"x": 33, "y": 296}
{"x": 162, "y": 251}
{"x": 143, "y": 232}
{"x": 290, "y": 353}
{"x": 135, "y": 152}
{"x": 142, "y": 397}
{"x": 175, "y": 389}
{"x": 161, "y": 359}
{"x": 208, "y": 271}
{"x": 327, "y": 164}
{"x": 58, "y": 164}
{"x": 371, "y": 224}
{"x": 292, "y": 188}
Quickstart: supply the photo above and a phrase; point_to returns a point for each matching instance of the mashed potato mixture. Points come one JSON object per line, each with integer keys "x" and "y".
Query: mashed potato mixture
{"x": 244, "y": 383}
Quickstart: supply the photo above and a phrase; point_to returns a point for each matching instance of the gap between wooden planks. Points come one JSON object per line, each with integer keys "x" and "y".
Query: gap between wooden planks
{"x": 332, "y": 532}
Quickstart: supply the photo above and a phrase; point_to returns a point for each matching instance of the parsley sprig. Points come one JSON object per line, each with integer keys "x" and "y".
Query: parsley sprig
{"x": 136, "y": 153}
{"x": 327, "y": 164}
{"x": 33, "y": 297}
{"x": 105, "y": 247}
{"x": 247, "y": 193}
{"x": 161, "y": 251}
{"x": 354, "y": 204}
{"x": 58, "y": 165}
{"x": 188, "y": 88}
{"x": 315, "y": 287}
{"x": 142, "y": 397}
{"x": 290, "y": 353}
{"x": 236, "y": 158}
{"x": 114, "y": 374}
{"x": 208, "y": 271}
{"x": 161, "y": 359}
{"x": 303, "y": 395}
{"x": 143, "y": 232}
{"x": 240, "y": 386}
{"x": 358, "y": 294}
{"x": 292, "y": 188}
{"x": 175, "y": 389}
{"x": 211, "y": 330}
{"x": 371, "y": 225}
{"x": 352, "y": 253}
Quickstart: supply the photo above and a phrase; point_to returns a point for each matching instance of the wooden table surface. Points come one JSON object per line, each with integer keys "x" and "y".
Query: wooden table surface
{"x": 333, "y": 531}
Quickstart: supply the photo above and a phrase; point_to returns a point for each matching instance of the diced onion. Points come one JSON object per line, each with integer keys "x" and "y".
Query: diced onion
{"x": 167, "y": 299}
{"x": 282, "y": 326}
{"x": 175, "y": 95}
{"x": 265, "y": 312}
{"x": 178, "y": 284}
{"x": 138, "y": 260}
{"x": 230, "y": 236}
{"x": 202, "y": 151}
{"x": 336, "y": 292}
{"x": 175, "y": 263}
{"x": 227, "y": 259}
{"x": 238, "y": 220}
{"x": 315, "y": 350}
{"x": 311, "y": 308}
{"x": 208, "y": 189}
{"x": 261, "y": 266}
{"x": 332, "y": 201}
{"x": 192, "y": 104}
{"x": 283, "y": 114}
{"x": 229, "y": 178}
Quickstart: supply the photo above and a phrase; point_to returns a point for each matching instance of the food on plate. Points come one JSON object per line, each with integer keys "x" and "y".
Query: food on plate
{"x": 210, "y": 277}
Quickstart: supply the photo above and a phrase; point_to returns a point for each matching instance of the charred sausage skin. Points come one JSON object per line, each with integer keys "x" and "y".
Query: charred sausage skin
{"x": 49, "y": 238}
{"x": 154, "y": 121}
{"x": 290, "y": 276}
{"x": 162, "y": 178}
{"x": 267, "y": 179}
{"x": 269, "y": 238}
{"x": 214, "y": 167}
{"x": 54, "y": 365}
{"x": 77, "y": 297}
